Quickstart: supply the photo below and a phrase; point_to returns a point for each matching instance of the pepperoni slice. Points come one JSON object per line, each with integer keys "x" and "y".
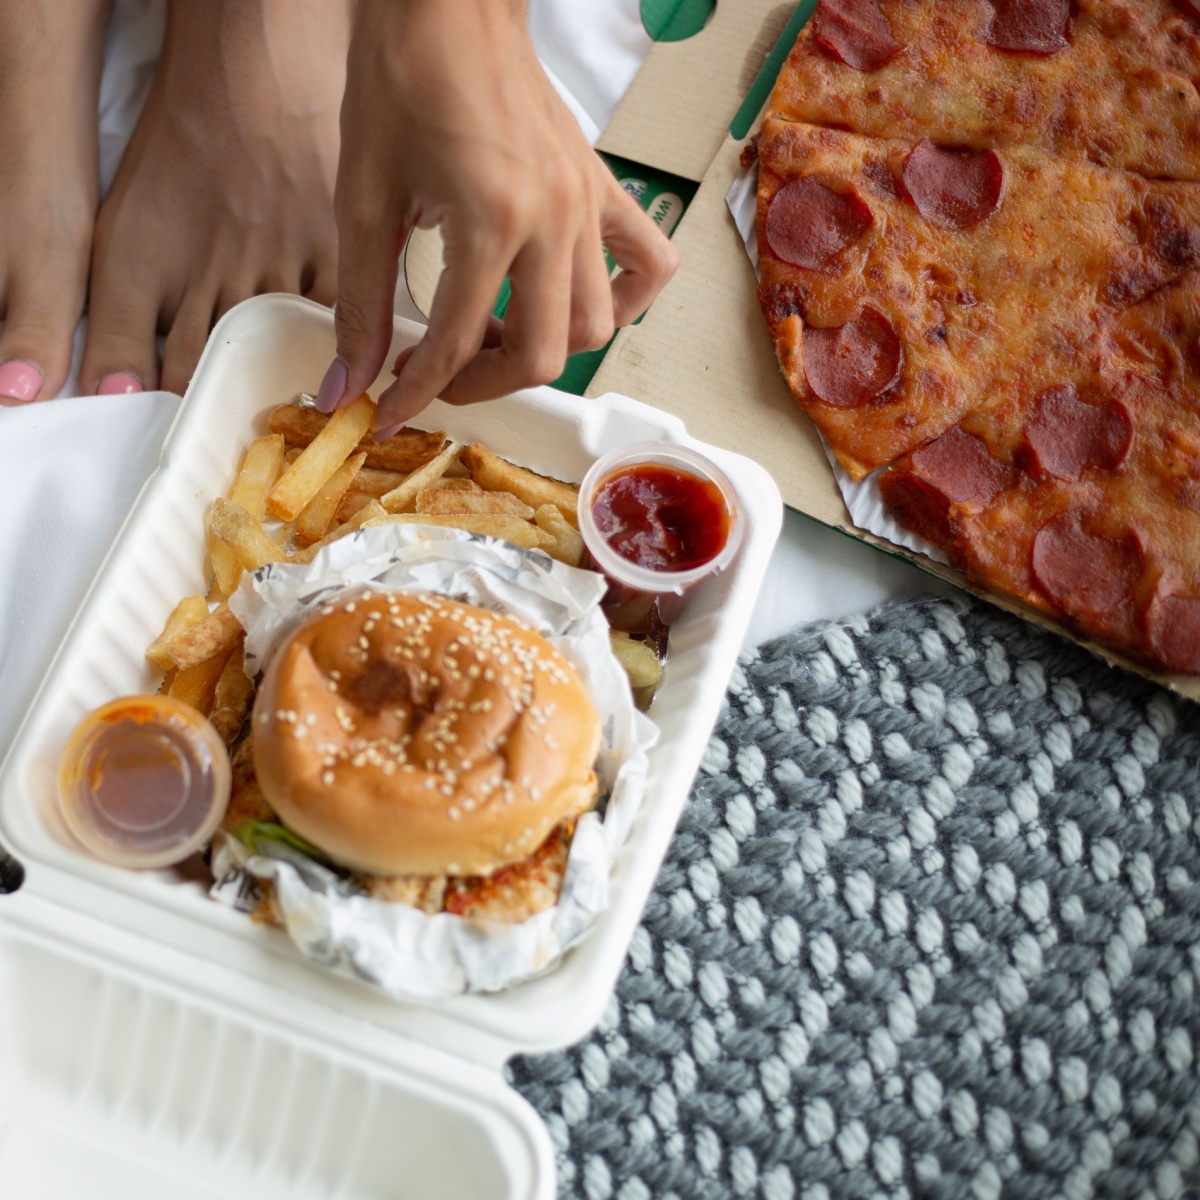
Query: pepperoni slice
{"x": 855, "y": 32}
{"x": 1088, "y": 576}
{"x": 953, "y": 188}
{"x": 1173, "y": 633}
{"x": 1064, "y": 435}
{"x": 953, "y": 469}
{"x": 808, "y": 223}
{"x": 1030, "y": 26}
{"x": 850, "y": 364}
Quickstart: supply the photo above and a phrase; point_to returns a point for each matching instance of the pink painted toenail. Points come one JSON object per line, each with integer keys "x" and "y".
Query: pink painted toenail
{"x": 333, "y": 386}
{"x": 19, "y": 380}
{"x": 120, "y": 383}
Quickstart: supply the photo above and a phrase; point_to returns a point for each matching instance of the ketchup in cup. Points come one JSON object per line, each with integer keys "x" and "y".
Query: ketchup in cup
{"x": 144, "y": 781}
{"x": 656, "y": 518}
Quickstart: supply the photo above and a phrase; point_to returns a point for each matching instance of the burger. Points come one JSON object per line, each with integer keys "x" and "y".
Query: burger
{"x": 435, "y": 752}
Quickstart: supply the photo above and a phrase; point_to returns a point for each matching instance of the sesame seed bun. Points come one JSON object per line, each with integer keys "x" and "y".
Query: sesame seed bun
{"x": 413, "y": 735}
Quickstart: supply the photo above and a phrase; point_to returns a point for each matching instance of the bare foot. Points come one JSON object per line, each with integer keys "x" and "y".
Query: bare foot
{"x": 50, "y": 59}
{"x": 226, "y": 189}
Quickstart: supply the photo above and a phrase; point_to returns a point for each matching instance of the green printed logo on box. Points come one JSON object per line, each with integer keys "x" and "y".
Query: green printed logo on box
{"x": 665, "y": 197}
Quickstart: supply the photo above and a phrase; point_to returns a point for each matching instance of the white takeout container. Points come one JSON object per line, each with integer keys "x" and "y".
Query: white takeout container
{"x": 156, "y": 1043}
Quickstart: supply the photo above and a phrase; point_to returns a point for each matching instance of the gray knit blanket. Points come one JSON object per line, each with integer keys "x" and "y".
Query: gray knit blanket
{"x": 929, "y": 928}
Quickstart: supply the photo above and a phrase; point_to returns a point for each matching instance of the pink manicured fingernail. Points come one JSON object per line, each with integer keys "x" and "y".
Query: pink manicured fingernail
{"x": 19, "y": 380}
{"x": 333, "y": 386}
{"x": 386, "y": 432}
{"x": 120, "y": 383}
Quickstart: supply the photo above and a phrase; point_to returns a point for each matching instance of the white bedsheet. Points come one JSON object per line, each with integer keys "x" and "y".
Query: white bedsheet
{"x": 70, "y": 469}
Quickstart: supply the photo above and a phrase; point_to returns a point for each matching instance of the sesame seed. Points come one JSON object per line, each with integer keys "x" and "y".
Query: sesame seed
{"x": 453, "y": 813}
{"x": 351, "y": 607}
{"x": 327, "y": 778}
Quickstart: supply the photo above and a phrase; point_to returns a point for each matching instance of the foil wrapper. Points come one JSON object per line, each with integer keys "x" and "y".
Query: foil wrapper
{"x": 863, "y": 499}
{"x": 405, "y": 952}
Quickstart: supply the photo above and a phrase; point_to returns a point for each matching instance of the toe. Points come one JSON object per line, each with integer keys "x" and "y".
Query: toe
{"x": 232, "y": 294}
{"x": 319, "y": 282}
{"x": 121, "y": 354}
{"x": 188, "y": 333}
{"x": 39, "y": 324}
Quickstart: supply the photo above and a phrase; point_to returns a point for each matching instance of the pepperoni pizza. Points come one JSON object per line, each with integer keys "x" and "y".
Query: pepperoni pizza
{"x": 979, "y": 234}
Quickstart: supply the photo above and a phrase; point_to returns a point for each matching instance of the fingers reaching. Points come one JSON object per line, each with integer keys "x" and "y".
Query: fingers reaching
{"x": 646, "y": 257}
{"x": 458, "y": 323}
{"x": 368, "y": 267}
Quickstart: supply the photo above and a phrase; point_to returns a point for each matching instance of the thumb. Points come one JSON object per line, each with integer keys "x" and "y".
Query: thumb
{"x": 368, "y": 266}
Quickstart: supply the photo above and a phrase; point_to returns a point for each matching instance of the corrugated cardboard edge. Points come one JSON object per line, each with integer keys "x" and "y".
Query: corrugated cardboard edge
{"x": 676, "y": 112}
{"x": 703, "y": 353}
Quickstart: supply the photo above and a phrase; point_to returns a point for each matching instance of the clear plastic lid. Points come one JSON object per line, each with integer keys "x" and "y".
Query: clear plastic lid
{"x": 144, "y": 781}
{"x": 676, "y": 460}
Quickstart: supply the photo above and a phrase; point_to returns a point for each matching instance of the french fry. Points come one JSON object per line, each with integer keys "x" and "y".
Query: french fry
{"x": 191, "y": 610}
{"x": 499, "y": 475}
{"x": 448, "y": 500}
{"x": 404, "y": 451}
{"x": 640, "y": 662}
{"x": 321, "y": 458}
{"x": 313, "y": 523}
{"x": 260, "y": 470}
{"x": 507, "y": 529}
{"x": 196, "y": 685}
{"x": 244, "y": 535}
{"x": 373, "y": 482}
{"x": 233, "y": 697}
{"x": 370, "y": 512}
{"x": 356, "y": 497}
{"x": 351, "y": 503}
{"x": 216, "y": 634}
{"x": 401, "y": 499}
{"x": 568, "y": 544}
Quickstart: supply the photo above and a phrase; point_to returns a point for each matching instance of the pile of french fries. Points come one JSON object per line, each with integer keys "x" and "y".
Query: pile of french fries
{"x": 315, "y": 479}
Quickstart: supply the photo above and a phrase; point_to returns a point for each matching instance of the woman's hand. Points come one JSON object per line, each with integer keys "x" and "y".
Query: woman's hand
{"x": 448, "y": 120}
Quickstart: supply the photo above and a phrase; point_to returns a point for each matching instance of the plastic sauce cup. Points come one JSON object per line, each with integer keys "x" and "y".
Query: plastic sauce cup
{"x": 144, "y": 781}
{"x": 691, "y": 516}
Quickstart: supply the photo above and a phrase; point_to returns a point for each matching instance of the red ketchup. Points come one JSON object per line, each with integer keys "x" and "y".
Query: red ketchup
{"x": 656, "y": 519}
{"x": 661, "y": 518}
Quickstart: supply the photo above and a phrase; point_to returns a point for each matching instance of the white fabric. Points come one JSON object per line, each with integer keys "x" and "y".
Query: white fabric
{"x": 69, "y": 470}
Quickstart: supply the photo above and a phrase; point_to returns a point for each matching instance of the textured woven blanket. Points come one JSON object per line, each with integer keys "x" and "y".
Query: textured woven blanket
{"x": 929, "y": 928}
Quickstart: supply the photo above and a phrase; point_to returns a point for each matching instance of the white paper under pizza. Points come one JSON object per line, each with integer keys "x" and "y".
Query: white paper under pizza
{"x": 863, "y": 499}
{"x": 398, "y": 948}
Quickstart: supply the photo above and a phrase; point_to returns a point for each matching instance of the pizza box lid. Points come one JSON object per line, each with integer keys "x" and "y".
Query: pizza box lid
{"x": 153, "y": 1040}
{"x": 702, "y": 351}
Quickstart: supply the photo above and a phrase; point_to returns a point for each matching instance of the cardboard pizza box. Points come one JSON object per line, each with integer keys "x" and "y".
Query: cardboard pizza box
{"x": 702, "y": 351}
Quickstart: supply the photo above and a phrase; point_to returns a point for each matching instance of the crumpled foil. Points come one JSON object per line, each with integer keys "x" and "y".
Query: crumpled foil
{"x": 398, "y": 948}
